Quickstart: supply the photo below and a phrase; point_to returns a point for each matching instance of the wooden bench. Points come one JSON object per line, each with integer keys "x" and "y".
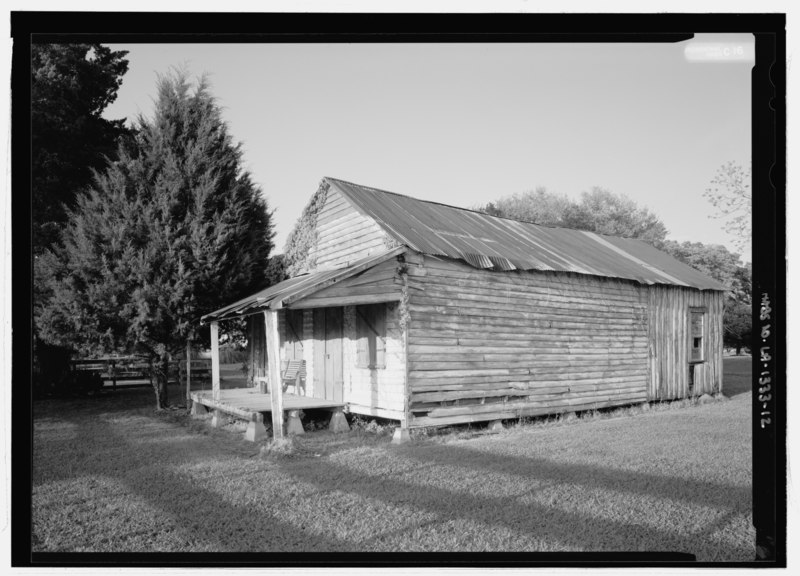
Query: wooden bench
{"x": 200, "y": 369}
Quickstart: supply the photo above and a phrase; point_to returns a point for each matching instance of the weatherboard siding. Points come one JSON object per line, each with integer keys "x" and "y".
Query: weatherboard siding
{"x": 492, "y": 345}
{"x": 344, "y": 235}
{"x": 375, "y": 391}
{"x": 379, "y": 391}
{"x": 670, "y": 337}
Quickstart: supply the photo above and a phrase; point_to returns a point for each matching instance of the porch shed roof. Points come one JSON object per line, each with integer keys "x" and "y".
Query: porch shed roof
{"x": 299, "y": 286}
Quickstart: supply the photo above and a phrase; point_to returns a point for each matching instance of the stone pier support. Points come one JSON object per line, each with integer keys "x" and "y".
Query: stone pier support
{"x": 255, "y": 431}
{"x": 400, "y": 436}
{"x": 496, "y": 426}
{"x": 338, "y": 422}
{"x": 294, "y": 426}
{"x": 218, "y": 419}
{"x": 199, "y": 409}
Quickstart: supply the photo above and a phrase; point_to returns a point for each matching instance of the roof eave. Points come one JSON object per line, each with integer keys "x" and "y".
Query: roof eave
{"x": 246, "y": 307}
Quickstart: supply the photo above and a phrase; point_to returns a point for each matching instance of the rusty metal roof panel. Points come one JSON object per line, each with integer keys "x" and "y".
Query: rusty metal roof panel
{"x": 486, "y": 241}
{"x": 274, "y": 296}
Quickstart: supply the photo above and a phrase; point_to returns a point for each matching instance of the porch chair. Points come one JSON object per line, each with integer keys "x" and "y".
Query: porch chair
{"x": 295, "y": 375}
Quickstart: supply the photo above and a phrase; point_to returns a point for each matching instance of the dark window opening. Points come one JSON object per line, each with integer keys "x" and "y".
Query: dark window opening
{"x": 697, "y": 325}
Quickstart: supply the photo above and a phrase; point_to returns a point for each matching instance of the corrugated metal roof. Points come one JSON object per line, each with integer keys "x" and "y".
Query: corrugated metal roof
{"x": 304, "y": 285}
{"x": 491, "y": 242}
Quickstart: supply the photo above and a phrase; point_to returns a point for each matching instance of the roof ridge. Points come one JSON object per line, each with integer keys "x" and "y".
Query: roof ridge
{"x": 551, "y": 226}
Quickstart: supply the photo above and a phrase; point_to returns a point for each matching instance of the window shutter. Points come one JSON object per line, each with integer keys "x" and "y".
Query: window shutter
{"x": 696, "y": 318}
{"x": 371, "y": 336}
{"x": 380, "y": 336}
{"x": 362, "y": 349}
{"x": 294, "y": 334}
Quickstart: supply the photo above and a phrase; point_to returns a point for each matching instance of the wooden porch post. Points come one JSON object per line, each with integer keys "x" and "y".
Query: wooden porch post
{"x": 401, "y": 435}
{"x": 273, "y": 372}
{"x": 215, "y": 360}
{"x": 188, "y": 372}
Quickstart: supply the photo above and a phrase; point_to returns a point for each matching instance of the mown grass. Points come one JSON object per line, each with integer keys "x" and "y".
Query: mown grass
{"x": 111, "y": 475}
{"x": 737, "y": 378}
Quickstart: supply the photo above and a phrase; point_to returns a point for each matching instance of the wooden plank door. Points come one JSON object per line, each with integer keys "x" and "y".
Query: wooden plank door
{"x": 328, "y": 361}
{"x": 334, "y": 375}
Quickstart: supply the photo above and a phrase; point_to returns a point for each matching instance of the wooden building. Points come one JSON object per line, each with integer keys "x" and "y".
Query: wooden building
{"x": 433, "y": 315}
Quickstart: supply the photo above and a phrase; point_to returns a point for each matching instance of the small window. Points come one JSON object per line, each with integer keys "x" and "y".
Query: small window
{"x": 697, "y": 322}
{"x": 371, "y": 335}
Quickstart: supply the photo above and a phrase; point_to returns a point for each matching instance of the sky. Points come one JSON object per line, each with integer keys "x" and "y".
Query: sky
{"x": 464, "y": 124}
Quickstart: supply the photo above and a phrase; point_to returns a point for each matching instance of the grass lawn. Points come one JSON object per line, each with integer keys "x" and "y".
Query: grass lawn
{"x": 737, "y": 376}
{"x": 112, "y": 475}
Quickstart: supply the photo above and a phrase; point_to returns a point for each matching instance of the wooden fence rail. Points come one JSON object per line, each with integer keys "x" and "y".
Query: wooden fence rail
{"x": 123, "y": 369}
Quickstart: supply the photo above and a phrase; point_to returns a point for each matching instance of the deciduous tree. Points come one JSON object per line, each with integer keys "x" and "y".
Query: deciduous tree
{"x": 737, "y": 325}
{"x": 598, "y": 210}
{"x": 726, "y": 267}
{"x": 711, "y": 259}
{"x": 604, "y": 212}
{"x": 730, "y": 194}
{"x": 538, "y": 206}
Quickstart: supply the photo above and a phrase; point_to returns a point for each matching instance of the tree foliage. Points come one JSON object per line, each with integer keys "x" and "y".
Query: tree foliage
{"x": 297, "y": 252}
{"x": 71, "y": 85}
{"x": 737, "y": 325}
{"x": 276, "y": 269}
{"x": 604, "y": 212}
{"x": 172, "y": 229}
{"x": 598, "y": 210}
{"x": 538, "y": 206}
{"x": 714, "y": 260}
{"x": 730, "y": 193}
{"x": 719, "y": 263}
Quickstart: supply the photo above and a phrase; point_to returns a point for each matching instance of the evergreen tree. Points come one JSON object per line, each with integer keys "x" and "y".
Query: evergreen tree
{"x": 172, "y": 229}
{"x": 71, "y": 85}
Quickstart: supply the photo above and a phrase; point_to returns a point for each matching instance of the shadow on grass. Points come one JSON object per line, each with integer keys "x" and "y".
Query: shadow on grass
{"x": 572, "y": 530}
{"x": 720, "y": 496}
{"x": 222, "y": 526}
{"x": 147, "y": 474}
{"x": 531, "y": 522}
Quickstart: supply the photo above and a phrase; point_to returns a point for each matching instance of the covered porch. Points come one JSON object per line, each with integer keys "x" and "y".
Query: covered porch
{"x": 327, "y": 300}
{"x": 250, "y": 404}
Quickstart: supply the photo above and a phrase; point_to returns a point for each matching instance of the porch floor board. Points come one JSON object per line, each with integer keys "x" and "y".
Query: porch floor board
{"x": 250, "y": 400}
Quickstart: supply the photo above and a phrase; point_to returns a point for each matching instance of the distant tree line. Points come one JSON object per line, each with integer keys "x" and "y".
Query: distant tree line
{"x": 602, "y": 211}
{"x": 598, "y": 210}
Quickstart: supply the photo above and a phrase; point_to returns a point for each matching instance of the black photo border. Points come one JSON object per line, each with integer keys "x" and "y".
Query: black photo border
{"x": 769, "y": 240}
